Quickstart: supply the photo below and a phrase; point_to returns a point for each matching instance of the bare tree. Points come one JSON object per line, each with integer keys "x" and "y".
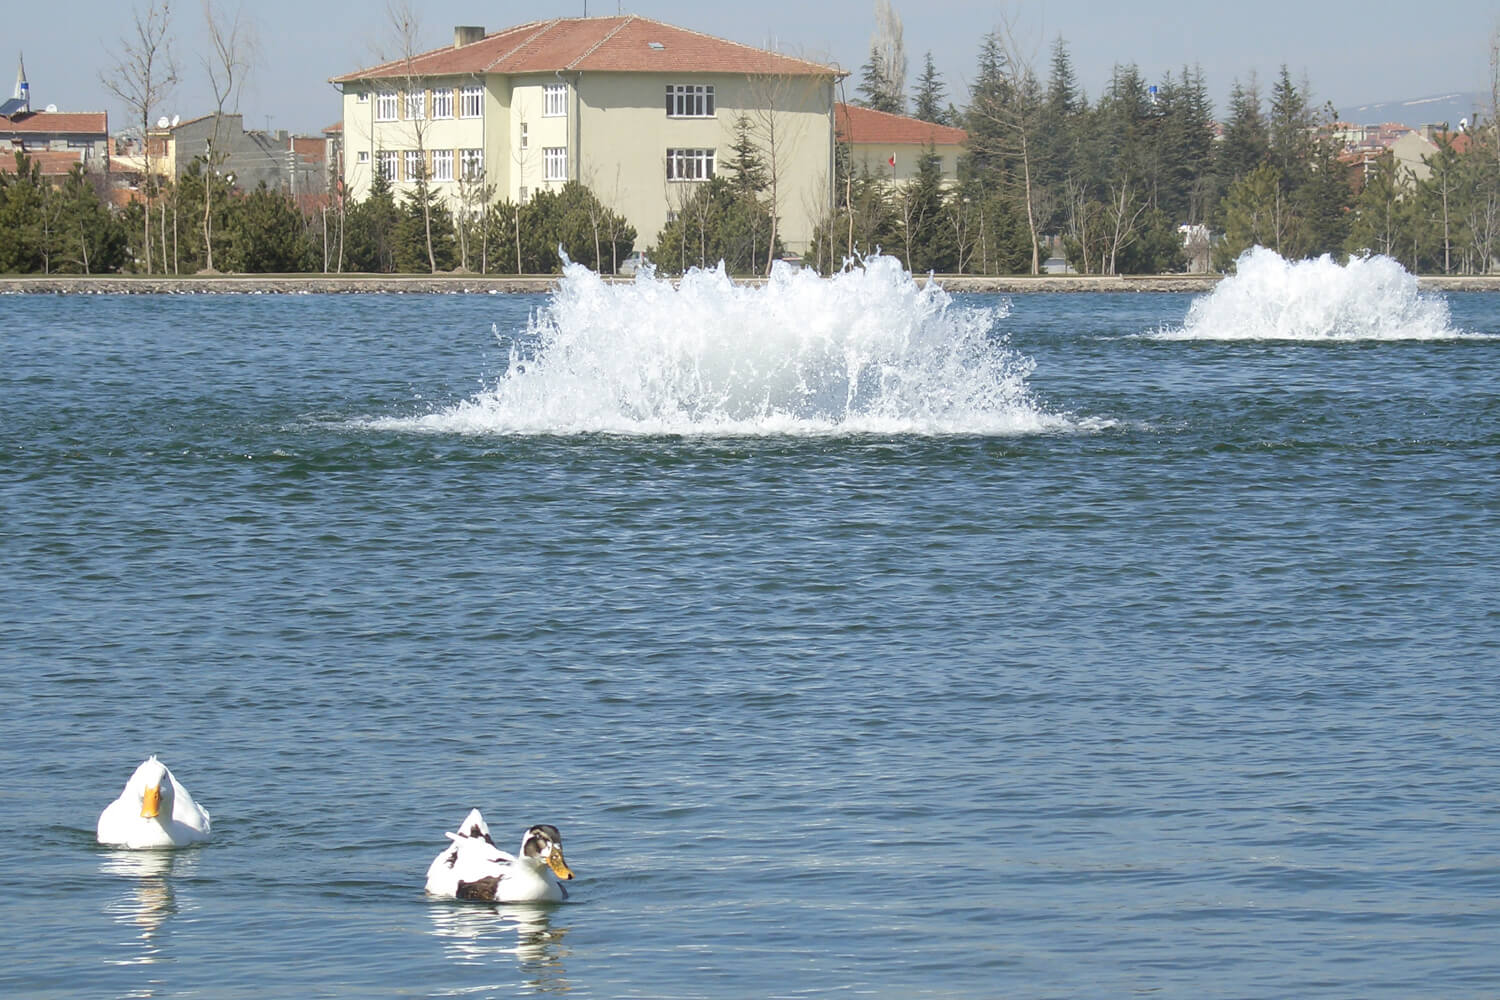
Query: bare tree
{"x": 1012, "y": 108}
{"x": 777, "y": 132}
{"x": 1123, "y": 214}
{"x": 407, "y": 29}
{"x": 474, "y": 197}
{"x": 889, "y": 49}
{"x": 232, "y": 45}
{"x": 143, "y": 77}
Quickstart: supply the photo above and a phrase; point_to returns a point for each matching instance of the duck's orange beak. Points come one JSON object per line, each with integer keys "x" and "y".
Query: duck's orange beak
{"x": 558, "y": 865}
{"x": 151, "y": 802}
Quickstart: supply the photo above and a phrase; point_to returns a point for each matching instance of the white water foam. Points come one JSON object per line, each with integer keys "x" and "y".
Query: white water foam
{"x": 1271, "y": 298}
{"x": 866, "y": 351}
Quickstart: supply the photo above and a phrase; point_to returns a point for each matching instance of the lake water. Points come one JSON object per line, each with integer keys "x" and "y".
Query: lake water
{"x": 860, "y": 641}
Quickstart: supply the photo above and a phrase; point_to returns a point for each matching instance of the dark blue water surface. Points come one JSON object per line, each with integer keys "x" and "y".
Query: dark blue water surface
{"x": 1195, "y": 699}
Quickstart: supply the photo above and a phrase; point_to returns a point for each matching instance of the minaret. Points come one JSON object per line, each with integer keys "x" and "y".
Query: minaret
{"x": 23, "y": 89}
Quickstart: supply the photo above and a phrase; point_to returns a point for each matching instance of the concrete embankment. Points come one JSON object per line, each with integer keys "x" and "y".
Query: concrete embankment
{"x": 475, "y": 284}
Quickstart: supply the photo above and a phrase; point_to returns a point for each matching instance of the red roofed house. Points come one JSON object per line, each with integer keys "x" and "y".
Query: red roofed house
{"x": 887, "y": 145}
{"x": 635, "y": 109}
{"x": 56, "y": 140}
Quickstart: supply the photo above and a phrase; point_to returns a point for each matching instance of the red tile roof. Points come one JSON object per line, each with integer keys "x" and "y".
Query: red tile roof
{"x": 868, "y": 127}
{"x": 57, "y": 122}
{"x": 310, "y": 147}
{"x": 628, "y": 44}
{"x": 54, "y": 163}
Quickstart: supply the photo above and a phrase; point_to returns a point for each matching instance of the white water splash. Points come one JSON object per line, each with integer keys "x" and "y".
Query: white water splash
{"x": 867, "y": 351}
{"x": 1271, "y": 298}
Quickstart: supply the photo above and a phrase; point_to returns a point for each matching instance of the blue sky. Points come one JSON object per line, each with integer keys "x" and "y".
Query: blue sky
{"x": 1351, "y": 52}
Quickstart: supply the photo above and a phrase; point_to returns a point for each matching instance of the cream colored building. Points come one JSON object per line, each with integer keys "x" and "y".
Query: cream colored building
{"x": 891, "y": 146}
{"x": 637, "y": 110}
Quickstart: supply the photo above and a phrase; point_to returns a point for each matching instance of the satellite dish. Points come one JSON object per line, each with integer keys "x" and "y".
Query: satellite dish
{"x": 162, "y": 122}
{"x": 52, "y": 109}
{"x": 175, "y": 120}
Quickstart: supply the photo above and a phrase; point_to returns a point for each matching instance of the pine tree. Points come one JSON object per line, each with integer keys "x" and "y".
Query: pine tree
{"x": 746, "y": 170}
{"x": 21, "y": 218}
{"x": 425, "y": 240}
{"x": 1381, "y": 212}
{"x": 1247, "y": 141}
{"x": 928, "y": 239}
{"x": 91, "y": 238}
{"x": 264, "y": 234}
{"x": 876, "y": 90}
{"x": 370, "y": 229}
{"x": 928, "y": 105}
{"x": 1290, "y": 132}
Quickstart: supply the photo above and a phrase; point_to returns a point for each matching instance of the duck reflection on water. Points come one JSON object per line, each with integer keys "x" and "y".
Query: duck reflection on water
{"x": 479, "y": 934}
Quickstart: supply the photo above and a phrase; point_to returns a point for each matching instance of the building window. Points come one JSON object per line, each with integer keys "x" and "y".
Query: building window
{"x": 555, "y": 100}
{"x": 555, "y": 163}
{"x": 385, "y": 106}
{"x": 523, "y": 194}
{"x": 471, "y": 102}
{"x": 525, "y": 137}
{"x": 385, "y": 162}
{"x": 415, "y": 168}
{"x": 442, "y": 164}
{"x": 690, "y": 164}
{"x": 442, "y": 102}
{"x": 690, "y": 100}
{"x": 471, "y": 163}
{"x": 416, "y": 106}
{"x": 363, "y": 157}
{"x": 363, "y": 97}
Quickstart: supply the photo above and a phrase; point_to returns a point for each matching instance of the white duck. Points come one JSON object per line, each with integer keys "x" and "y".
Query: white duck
{"x": 154, "y": 810}
{"x": 472, "y": 867}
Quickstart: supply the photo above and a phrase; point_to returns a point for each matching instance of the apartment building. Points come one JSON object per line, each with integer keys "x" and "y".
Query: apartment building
{"x": 636, "y": 109}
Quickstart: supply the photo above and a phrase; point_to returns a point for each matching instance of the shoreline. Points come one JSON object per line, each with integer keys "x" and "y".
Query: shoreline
{"x": 478, "y": 284}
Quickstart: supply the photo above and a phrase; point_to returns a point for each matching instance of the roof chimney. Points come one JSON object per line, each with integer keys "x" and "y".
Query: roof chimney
{"x": 467, "y": 34}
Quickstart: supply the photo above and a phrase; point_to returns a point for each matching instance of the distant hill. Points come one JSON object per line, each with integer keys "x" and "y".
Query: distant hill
{"x": 1418, "y": 111}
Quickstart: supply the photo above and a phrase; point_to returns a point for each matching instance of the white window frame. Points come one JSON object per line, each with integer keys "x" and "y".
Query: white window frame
{"x": 386, "y": 162}
{"x": 525, "y": 137}
{"x": 416, "y": 106}
{"x": 442, "y": 164}
{"x": 471, "y": 164}
{"x": 362, "y": 97}
{"x": 442, "y": 103}
{"x": 412, "y": 165}
{"x": 363, "y": 156}
{"x": 471, "y": 101}
{"x": 691, "y": 164}
{"x": 554, "y": 163}
{"x": 554, "y": 100}
{"x": 690, "y": 100}
{"x": 386, "y": 103}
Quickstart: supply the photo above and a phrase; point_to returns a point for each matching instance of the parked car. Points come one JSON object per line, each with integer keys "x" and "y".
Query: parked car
{"x": 632, "y": 263}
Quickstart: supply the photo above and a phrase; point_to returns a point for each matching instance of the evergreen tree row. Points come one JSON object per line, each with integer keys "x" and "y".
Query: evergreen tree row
{"x": 1110, "y": 184}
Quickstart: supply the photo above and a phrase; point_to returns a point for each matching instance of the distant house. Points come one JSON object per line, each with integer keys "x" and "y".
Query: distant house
{"x": 1414, "y": 148}
{"x": 887, "y": 145}
{"x": 251, "y": 157}
{"x": 65, "y": 137}
{"x": 637, "y": 110}
{"x": 55, "y": 140}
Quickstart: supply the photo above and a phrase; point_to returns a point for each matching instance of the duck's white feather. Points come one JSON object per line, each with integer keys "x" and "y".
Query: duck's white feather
{"x": 154, "y": 810}
{"x": 472, "y": 867}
